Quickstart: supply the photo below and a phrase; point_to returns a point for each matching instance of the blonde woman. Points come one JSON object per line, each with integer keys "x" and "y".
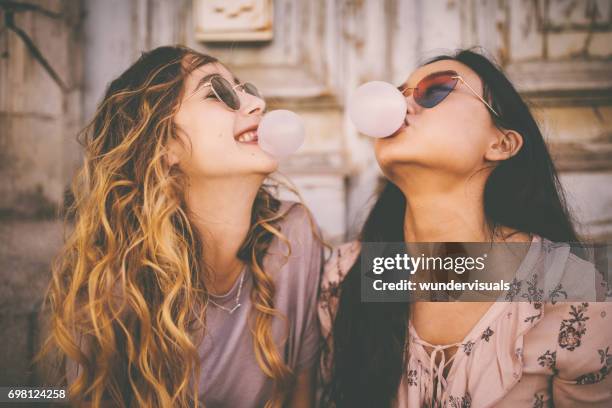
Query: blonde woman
{"x": 184, "y": 281}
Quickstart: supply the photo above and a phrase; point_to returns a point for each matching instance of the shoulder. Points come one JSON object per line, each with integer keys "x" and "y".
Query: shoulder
{"x": 290, "y": 207}
{"x": 296, "y": 219}
{"x": 583, "y": 277}
{"x": 337, "y": 266}
{"x": 573, "y": 275}
{"x": 295, "y": 231}
{"x": 339, "y": 263}
{"x": 297, "y": 248}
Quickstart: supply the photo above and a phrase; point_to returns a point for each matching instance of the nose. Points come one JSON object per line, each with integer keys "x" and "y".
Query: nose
{"x": 413, "y": 107}
{"x": 251, "y": 104}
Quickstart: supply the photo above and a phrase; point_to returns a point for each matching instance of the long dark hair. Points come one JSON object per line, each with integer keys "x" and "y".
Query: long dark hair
{"x": 522, "y": 192}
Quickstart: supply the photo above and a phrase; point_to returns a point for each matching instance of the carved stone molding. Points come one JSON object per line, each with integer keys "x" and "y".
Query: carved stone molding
{"x": 233, "y": 20}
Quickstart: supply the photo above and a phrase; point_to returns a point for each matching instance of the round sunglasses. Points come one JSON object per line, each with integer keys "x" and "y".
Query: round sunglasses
{"x": 432, "y": 89}
{"x": 225, "y": 92}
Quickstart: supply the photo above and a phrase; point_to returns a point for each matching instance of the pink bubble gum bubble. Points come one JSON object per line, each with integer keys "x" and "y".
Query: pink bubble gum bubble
{"x": 280, "y": 133}
{"x": 377, "y": 109}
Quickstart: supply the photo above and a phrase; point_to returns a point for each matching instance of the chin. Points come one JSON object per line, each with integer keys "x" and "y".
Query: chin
{"x": 389, "y": 157}
{"x": 264, "y": 166}
{"x": 251, "y": 159}
{"x": 246, "y": 167}
{"x": 395, "y": 163}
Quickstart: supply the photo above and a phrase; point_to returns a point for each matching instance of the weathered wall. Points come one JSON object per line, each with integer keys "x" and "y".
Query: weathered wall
{"x": 39, "y": 119}
{"x": 558, "y": 55}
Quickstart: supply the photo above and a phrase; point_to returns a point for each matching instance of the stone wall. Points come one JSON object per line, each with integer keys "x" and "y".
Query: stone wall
{"x": 39, "y": 119}
{"x": 557, "y": 53}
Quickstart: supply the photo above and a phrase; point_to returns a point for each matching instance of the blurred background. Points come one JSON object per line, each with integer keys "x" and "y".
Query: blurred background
{"x": 57, "y": 56}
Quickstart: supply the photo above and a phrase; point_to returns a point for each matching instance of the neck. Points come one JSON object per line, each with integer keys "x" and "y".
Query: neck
{"x": 444, "y": 208}
{"x": 220, "y": 209}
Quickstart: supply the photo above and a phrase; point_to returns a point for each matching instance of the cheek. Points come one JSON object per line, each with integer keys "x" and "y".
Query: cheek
{"x": 455, "y": 131}
{"x": 389, "y": 151}
{"x": 207, "y": 129}
{"x": 450, "y": 140}
{"x": 208, "y": 136}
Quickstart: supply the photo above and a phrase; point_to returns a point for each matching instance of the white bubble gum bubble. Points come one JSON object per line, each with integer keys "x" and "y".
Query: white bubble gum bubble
{"x": 280, "y": 133}
{"x": 377, "y": 109}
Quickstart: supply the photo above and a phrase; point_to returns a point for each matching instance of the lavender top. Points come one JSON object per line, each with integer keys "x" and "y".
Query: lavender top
{"x": 231, "y": 376}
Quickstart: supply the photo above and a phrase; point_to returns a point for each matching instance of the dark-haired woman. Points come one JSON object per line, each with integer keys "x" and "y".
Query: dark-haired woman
{"x": 469, "y": 165}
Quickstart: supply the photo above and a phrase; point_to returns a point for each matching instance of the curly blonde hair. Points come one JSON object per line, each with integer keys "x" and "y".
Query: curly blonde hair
{"x": 129, "y": 282}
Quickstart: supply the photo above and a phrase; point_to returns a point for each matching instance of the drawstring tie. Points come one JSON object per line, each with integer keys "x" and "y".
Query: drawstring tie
{"x": 436, "y": 371}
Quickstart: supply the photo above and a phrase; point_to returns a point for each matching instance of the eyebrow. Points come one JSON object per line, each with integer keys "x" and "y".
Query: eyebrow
{"x": 206, "y": 78}
{"x": 404, "y": 86}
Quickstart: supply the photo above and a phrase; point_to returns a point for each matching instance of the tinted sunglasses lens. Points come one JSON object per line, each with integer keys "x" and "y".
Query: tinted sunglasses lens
{"x": 433, "y": 89}
{"x": 251, "y": 89}
{"x": 225, "y": 92}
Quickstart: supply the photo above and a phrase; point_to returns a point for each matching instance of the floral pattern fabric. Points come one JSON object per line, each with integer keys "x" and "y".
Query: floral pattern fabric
{"x": 533, "y": 350}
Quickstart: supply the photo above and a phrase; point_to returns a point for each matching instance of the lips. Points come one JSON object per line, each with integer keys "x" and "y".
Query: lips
{"x": 248, "y": 135}
{"x": 402, "y": 127}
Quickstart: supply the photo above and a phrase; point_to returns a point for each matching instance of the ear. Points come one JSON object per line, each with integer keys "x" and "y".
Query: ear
{"x": 173, "y": 152}
{"x": 506, "y": 144}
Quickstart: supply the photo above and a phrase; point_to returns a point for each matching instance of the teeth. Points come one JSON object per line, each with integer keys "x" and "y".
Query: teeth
{"x": 246, "y": 137}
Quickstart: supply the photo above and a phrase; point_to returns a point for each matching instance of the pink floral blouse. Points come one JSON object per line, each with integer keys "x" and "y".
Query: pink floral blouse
{"x": 520, "y": 354}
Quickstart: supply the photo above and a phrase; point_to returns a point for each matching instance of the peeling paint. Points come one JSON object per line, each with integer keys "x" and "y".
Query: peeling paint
{"x": 30, "y": 204}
